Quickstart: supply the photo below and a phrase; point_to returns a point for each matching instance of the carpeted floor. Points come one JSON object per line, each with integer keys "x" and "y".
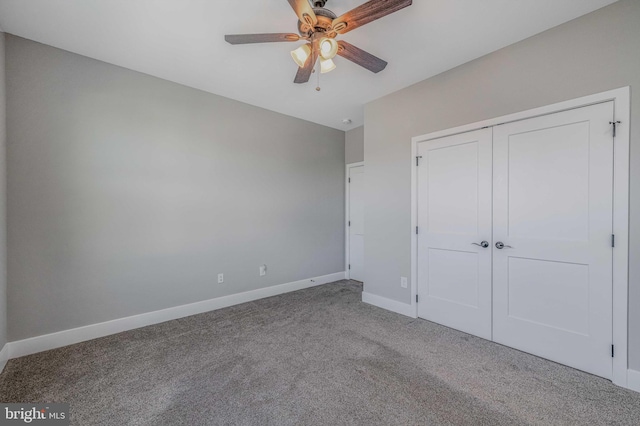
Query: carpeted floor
{"x": 314, "y": 357}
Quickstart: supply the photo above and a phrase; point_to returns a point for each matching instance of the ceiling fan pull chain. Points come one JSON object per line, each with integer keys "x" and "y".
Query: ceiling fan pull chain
{"x": 318, "y": 72}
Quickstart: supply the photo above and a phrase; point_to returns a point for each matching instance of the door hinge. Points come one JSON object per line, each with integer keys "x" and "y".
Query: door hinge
{"x": 349, "y": 180}
{"x": 349, "y": 223}
{"x": 418, "y": 160}
{"x": 613, "y": 352}
{"x": 416, "y": 230}
{"x": 615, "y": 125}
{"x": 613, "y": 240}
{"x": 416, "y": 298}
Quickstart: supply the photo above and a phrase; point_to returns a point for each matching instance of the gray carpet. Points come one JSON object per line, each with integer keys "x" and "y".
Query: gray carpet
{"x": 314, "y": 357}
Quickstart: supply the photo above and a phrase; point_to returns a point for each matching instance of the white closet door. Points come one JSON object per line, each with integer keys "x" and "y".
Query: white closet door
{"x": 454, "y": 212}
{"x": 553, "y": 178}
{"x": 356, "y": 223}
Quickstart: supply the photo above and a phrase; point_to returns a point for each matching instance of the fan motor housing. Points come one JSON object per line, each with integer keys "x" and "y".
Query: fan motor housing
{"x": 325, "y": 22}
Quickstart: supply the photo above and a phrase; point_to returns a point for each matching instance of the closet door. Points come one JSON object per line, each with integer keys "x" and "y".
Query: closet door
{"x": 552, "y": 276}
{"x": 454, "y": 242}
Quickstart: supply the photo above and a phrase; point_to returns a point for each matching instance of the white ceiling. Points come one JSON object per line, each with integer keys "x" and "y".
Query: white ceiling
{"x": 183, "y": 41}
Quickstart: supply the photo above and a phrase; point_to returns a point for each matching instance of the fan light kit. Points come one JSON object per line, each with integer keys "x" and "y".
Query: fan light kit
{"x": 319, "y": 27}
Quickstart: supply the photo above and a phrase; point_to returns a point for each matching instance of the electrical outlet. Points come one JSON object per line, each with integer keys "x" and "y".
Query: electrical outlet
{"x": 263, "y": 270}
{"x": 220, "y": 278}
{"x": 403, "y": 282}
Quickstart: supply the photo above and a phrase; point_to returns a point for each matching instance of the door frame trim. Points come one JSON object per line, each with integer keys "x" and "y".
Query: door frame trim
{"x": 622, "y": 108}
{"x": 347, "y": 260}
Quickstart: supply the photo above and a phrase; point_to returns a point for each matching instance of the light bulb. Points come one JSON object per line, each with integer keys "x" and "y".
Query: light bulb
{"x": 326, "y": 65}
{"x": 328, "y": 48}
{"x": 301, "y": 54}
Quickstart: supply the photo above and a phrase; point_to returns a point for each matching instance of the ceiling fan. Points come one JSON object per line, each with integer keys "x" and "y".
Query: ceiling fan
{"x": 319, "y": 27}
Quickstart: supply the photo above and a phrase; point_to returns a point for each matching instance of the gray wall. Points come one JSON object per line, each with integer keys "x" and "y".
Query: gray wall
{"x": 591, "y": 54}
{"x": 128, "y": 194}
{"x": 3, "y": 198}
{"x": 354, "y": 145}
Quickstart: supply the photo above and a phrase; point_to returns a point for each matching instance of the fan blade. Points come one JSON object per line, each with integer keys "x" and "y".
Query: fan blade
{"x": 367, "y": 12}
{"x": 260, "y": 38}
{"x": 304, "y": 11}
{"x": 304, "y": 73}
{"x": 360, "y": 57}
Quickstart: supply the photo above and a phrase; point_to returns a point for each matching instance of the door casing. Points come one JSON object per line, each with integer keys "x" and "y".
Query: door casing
{"x": 622, "y": 106}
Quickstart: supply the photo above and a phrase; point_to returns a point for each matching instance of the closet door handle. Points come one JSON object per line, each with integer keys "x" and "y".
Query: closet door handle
{"x": 500, "y": 245}
{"x": 483, "y": 244}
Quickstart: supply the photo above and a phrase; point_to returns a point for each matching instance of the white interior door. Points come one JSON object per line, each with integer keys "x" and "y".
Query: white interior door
{"x": 356, "y": 223}
{"x": 454, "y": 214}
{"x": 553, "y": 180}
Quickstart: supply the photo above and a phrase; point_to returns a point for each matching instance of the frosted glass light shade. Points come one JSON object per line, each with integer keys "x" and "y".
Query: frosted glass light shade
{"x": 326, "y": 65}
{"x": 328, "y": 48}
{"x": 301, "y": 54}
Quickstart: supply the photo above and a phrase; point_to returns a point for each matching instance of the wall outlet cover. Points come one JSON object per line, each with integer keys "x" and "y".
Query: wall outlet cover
{"x": 403, "y": 282}
{"x": 220, "y": 278}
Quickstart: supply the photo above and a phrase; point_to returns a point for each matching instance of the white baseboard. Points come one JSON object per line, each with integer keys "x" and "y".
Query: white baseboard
{"x": 4, "y": 356}
{"x": 633, "y": 380}
{"x": 68, "y": 337}
{"x": 388, "y": 304}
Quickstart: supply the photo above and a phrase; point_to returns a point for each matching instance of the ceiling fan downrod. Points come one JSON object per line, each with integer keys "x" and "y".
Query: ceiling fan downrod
{"x": 319, "y": 3}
